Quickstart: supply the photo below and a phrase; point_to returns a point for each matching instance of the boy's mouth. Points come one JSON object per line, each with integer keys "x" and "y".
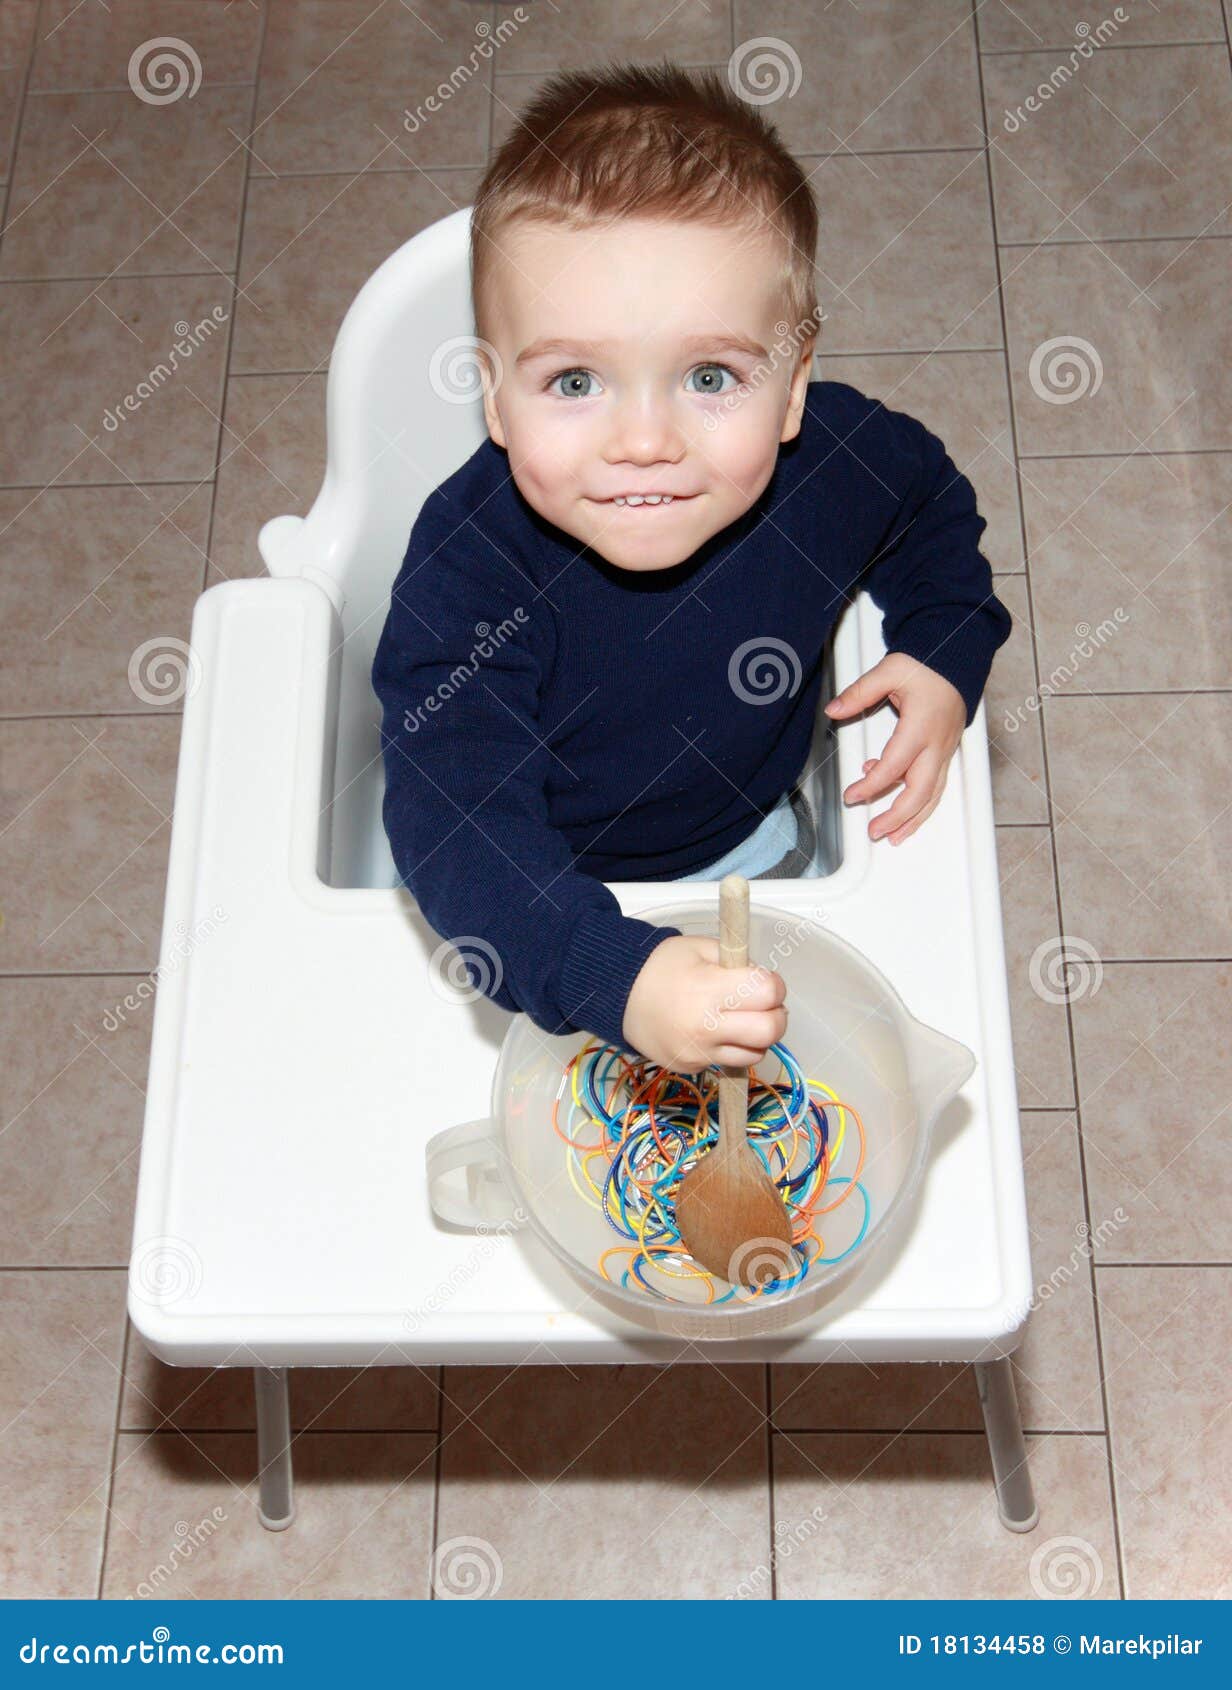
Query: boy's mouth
{"x": 646, "y": 501}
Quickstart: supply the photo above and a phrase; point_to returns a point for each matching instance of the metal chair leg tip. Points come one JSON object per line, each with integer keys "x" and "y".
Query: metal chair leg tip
{"x": 274, "y": 1525}
{"x": 1027, "y": 1525}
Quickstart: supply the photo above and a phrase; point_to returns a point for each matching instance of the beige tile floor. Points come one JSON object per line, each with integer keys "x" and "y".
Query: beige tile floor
{"x": 952, "y": 255}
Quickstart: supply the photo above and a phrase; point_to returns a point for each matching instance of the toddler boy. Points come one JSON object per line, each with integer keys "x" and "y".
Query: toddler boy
{"x": 602, "y": 659}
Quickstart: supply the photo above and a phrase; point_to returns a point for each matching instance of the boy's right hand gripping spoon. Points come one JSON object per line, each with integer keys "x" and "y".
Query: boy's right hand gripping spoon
{"x": 731, "y": 1216}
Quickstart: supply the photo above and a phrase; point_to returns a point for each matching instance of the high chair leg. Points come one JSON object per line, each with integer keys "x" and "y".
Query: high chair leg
{"x": 999, "y": 1400}
{"x": 276, "y": 1507}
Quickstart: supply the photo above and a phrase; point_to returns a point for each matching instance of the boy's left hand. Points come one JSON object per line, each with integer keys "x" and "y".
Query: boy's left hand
{"x": 931, "y": 719}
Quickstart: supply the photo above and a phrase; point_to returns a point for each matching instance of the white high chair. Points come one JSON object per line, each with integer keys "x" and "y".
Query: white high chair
{"x": 296, "y": 1069}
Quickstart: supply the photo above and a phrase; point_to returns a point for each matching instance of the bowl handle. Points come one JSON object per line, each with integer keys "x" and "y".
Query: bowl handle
{"x": 481, "y": 1195}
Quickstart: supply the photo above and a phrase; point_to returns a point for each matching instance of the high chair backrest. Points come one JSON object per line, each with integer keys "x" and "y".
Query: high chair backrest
{"x": 403, "y": 412}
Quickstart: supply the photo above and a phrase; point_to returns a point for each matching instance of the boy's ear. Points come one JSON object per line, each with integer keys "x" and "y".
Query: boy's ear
{"x": 491, "y": 415}
{"x": 798, "y": 390}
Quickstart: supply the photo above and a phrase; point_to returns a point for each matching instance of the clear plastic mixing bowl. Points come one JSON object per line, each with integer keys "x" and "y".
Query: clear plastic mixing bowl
{"x": 847, "y": 1027}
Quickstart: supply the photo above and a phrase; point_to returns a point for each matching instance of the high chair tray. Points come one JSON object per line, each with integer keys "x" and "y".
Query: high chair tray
{"x": 301, "y": 1059}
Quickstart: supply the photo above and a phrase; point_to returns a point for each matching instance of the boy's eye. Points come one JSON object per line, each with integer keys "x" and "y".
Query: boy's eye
{"x": 712, "y": 378}
{"x": 579, "y": 384}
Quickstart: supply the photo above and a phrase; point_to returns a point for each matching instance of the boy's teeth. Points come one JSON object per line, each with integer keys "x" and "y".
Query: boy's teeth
{"x": 645, "y": 499}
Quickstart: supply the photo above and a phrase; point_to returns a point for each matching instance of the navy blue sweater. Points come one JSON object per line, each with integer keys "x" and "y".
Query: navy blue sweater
{"x": 552, "y": 722}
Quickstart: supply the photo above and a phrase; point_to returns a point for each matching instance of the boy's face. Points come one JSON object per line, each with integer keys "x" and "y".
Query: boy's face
{"x": 662, "y": 377}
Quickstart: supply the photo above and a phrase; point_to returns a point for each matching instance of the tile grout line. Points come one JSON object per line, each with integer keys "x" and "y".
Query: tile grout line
{"x": 237, "y": 302}
{"x": 92, "y": 715}
{"x": 204, "y": 87}
{"x": 437, "y": 1464}
{"x": 115, "y": 1445}
{"x": 772, "y": 1559}
{"x": 1149, "y": 452}
{"x": 6, "y": 188}
{"x": 1052, "y": 840}
{"x": 929, "y": 1431}
{"x": 1115, "y": 240}
{"x": 1108, "y": 47}
{"x": 186, "y": 1429}
{"x": 1035, "y": 659}
{"x": 216, "y": 273}
{"x": 225, "y": 276}
{"x": 1128, "y": 692}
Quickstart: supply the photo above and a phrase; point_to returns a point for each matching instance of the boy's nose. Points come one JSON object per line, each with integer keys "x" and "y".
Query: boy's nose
{"x": 644, "y": 434}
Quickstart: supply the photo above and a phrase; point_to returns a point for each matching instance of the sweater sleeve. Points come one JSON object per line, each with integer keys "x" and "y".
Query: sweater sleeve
{"x": 929, "y": 576}
{"x": 458, "y": 671}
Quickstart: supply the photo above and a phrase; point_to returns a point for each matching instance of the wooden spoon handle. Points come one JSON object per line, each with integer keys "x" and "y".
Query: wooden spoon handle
{"x": 733, "y": 953}
{"x": 734, "y": 921}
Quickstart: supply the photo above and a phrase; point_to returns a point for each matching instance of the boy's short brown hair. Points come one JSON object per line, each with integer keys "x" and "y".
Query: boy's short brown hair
{"x": 648, "y": 141}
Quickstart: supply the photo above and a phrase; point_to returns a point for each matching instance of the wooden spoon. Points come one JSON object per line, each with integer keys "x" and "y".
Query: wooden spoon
{"x": 732, "y": 1219}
